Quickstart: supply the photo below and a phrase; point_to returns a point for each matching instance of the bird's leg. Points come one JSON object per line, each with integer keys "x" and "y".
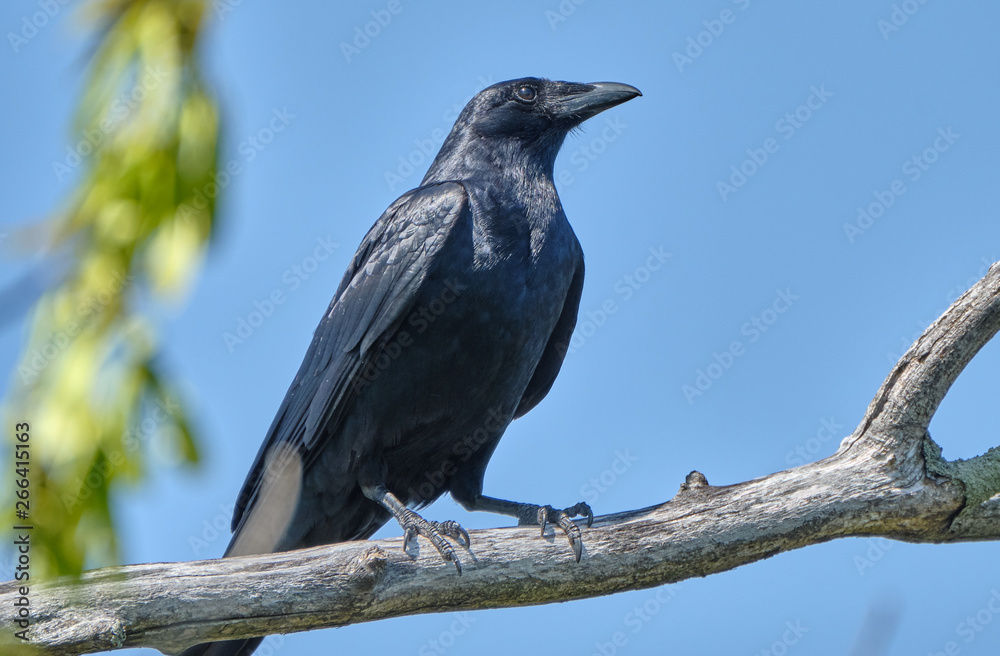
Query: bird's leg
{"x": 414, "y": 525}
{"x": 532, "y": 514}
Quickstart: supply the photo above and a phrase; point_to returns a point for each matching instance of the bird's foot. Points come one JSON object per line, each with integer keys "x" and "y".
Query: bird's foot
{"x": 414, "y": 525}
{"x": 544, "y": 515}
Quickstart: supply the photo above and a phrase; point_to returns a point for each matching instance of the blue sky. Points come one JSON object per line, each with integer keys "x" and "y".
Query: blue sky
{"x": 765, "y": 132}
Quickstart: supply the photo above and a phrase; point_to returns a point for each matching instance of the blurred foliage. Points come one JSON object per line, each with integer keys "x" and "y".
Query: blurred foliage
{"x": 133, "y": 231}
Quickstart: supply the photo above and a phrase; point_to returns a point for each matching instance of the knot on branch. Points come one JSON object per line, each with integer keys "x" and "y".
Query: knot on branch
{"x": 117, "y": 634}
{"x": 693, "y": 482}
{"x": 373, "y": 561}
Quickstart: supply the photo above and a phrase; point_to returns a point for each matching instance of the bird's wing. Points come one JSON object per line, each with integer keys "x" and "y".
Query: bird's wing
{"x": 555, "y": 349}
{"x": 377, "y": 291}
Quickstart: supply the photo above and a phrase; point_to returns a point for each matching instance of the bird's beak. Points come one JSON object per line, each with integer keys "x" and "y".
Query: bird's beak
{"x": 595, "y": 98}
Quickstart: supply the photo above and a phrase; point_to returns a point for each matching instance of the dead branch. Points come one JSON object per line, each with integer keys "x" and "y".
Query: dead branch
{"x": 887, "y": 479}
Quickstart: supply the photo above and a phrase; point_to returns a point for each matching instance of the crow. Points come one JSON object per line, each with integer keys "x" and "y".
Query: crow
{"x": 452, "y": 320}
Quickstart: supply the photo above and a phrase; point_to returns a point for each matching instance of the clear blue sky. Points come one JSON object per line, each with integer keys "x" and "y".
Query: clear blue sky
{"x": 838, "y": 105}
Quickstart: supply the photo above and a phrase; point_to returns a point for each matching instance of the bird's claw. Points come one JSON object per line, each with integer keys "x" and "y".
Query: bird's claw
{"x": 581, "y": 509}
{"x": 453, "y": 529}
{"x": 548, "y": 514}
{"x": 414, "y": 525}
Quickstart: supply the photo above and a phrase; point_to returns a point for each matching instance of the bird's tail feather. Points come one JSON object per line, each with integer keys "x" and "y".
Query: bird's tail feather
{"x": 263, "y": 529}
{"x": 225, "y": 648}
{"x": 243, "y": 647}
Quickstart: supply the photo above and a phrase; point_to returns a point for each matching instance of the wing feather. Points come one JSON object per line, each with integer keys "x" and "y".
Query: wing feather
{"x": 377, "y": 291}
{"x": 555, "y": 349}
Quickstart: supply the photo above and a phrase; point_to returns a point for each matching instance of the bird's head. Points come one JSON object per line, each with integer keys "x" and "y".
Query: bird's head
{"x": 531, "y": 107}
{"x": 529, "y": 116}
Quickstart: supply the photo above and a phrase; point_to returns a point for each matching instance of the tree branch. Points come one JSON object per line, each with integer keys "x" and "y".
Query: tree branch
{"x": 887, "y": 479}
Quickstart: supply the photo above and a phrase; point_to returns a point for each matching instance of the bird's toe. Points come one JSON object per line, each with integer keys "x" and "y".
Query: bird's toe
{"x": 435, "y": 532}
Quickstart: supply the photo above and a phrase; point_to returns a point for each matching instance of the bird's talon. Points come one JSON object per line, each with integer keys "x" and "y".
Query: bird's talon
{"x": 409, "y": 533}
{"x": 546, "y": 514}
{"x": 573, "y": 535}
{"x": 543, "y": 517}
{"x": 453, "y": 529}
{"x": 414, "y": 525}
{"x": 582, "y": 509}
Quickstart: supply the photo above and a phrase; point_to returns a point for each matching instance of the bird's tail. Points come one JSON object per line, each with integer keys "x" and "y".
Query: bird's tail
{"x": 243, "y": 647}
{"x": 260, "y": 531}
{"x": 267, "y": 527}
{"x": 225, "y": 648}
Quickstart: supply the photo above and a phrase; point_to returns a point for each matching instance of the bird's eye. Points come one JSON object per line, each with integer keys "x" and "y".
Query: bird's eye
{"x": 526, "y": 93}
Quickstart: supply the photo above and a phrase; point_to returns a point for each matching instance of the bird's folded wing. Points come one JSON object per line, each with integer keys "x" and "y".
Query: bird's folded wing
{"x": 555, "y": 349}
{"x": 376, "y": 293}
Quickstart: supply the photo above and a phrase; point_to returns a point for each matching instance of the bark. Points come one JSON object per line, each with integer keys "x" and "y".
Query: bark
{"x": 887, "y": 479}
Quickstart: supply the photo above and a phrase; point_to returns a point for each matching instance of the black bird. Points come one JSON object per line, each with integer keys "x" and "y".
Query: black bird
{"x": 452, "y": 320}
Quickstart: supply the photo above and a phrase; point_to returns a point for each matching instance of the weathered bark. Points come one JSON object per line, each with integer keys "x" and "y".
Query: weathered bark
{"x": 887, "y": 479}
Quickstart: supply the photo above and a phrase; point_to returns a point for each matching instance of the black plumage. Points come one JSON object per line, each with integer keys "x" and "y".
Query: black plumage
{"x": 452, "y": 320}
